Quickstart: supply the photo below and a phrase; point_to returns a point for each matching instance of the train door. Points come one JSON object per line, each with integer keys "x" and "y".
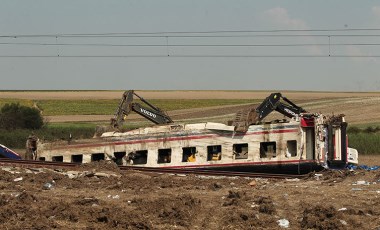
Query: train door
{"x": 309, "y": 143}
{"x": 307, "y": 124}
{"x": 337, "y": 144}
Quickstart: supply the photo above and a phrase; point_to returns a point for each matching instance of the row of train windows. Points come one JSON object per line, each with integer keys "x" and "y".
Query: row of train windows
{"x": 214, "y": 153}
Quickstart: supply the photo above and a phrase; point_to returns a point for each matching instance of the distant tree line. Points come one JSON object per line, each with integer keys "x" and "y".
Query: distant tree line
{"x": 16, "y": 116}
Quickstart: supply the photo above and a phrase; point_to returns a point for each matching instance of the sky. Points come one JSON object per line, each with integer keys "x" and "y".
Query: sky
{"x": 190, "y": 45}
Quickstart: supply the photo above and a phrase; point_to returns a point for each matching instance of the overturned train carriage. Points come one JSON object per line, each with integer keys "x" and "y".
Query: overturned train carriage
{"x": 309, "y": 142}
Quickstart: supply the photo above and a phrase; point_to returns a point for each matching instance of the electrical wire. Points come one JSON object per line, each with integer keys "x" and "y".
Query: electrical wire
{"x": 168, "y": 33}
{"x": 199, "y": 34}
{"x": 189, "y": 56}
{"x": 189, "y": 45}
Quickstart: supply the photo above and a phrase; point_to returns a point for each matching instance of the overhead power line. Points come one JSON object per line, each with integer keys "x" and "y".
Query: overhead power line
{"x": 188, "y": 45}
{"x": 172, "y": 33}
{"x": 189, "y": 56}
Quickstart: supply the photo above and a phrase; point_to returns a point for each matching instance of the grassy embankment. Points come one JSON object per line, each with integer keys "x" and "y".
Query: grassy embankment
{"x": 365, "y": 138}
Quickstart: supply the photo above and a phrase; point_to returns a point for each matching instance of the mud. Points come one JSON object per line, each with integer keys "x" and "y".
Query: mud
{"x": 134, "y": 200}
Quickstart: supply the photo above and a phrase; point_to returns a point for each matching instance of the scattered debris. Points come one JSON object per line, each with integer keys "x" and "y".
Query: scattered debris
{"x": 318, "y": 176}
{"x": 48, "y": 186}
{"x": 292, "y": 180}
{"x": 364, "y": 167}
{"x": 18, "y": 179}
{"x": 361, "y": 182}
{"x": 283, "y": 223}
{"x": 113, "y": 197}
{"x": 343, "y": 222}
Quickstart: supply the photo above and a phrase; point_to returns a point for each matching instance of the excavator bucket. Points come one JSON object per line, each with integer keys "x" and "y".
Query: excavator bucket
{"x": 244, "y": 119}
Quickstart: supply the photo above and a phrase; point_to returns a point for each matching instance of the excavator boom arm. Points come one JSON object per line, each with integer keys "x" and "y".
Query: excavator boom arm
{"x": 152, "y": 115}
{"x": 126, "y": 105}
{"x": 245, "y": 118}
{"x": 273, "y": 102}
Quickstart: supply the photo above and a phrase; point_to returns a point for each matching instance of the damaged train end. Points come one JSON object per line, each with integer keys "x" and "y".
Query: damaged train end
{"x": 331, "y": 142}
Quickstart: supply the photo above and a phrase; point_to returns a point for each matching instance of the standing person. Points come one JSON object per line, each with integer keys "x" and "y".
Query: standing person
{"x": 31, "y": 147}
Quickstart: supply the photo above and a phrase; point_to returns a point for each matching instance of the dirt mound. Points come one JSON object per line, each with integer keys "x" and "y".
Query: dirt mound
{"x": 265, "y": 205}
{"x": 233, "y": 198}
{"x": 319, "y": 217}
{"x": 137, "y": 200}
{"x": 170, "y": 210}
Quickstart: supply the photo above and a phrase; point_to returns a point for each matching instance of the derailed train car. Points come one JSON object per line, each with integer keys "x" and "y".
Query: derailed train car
{"x": 302, "y": 144}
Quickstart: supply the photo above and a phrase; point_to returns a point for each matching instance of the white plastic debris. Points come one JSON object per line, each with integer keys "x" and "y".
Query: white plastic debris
{"x": 283, "y": 223}
{"x": 293, "y": 180}
{"x": 113, "y": 197}
{"x": 343, "y": 222}
{"x": 47, "y": 186}
{"x": 342, "y": 209}
{"x": 361, "y": 182}
{"x": 18, "y": 179}
{"x": 318, "y": 176}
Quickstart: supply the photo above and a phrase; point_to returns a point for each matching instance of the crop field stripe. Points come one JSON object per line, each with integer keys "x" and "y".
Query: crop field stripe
{"x": 106, "y": 107}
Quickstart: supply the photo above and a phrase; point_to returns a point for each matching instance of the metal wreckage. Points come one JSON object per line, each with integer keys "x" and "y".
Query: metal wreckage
{"x": 302, "y": 143}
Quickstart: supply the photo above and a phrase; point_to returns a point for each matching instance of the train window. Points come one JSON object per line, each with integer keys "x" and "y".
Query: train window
{"x": 214, "y": 153}
{"x": 291, "y": 148}
{"x": 240, "y": 151}
{"x": 41, "y": 159}
{"x": 138, "y": 157}
{"x": 77, "y": 158}
{"x": 97, "y": 156}
{"x": 118, "y": 157}
{"x": 267, "y": 149}
{"x": 57, "y": 158}
{"x": 188, "y": 154}
{"x": 164, "y": 156}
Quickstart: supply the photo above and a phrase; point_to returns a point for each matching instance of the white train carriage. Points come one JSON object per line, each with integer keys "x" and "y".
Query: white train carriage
{"x": 309, "y": 142}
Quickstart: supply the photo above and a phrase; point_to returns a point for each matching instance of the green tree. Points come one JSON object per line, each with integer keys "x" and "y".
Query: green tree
{"x": 15, "y": 116}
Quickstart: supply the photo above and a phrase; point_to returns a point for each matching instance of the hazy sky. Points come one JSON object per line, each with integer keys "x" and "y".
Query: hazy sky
{"x": 280, "y": 60}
